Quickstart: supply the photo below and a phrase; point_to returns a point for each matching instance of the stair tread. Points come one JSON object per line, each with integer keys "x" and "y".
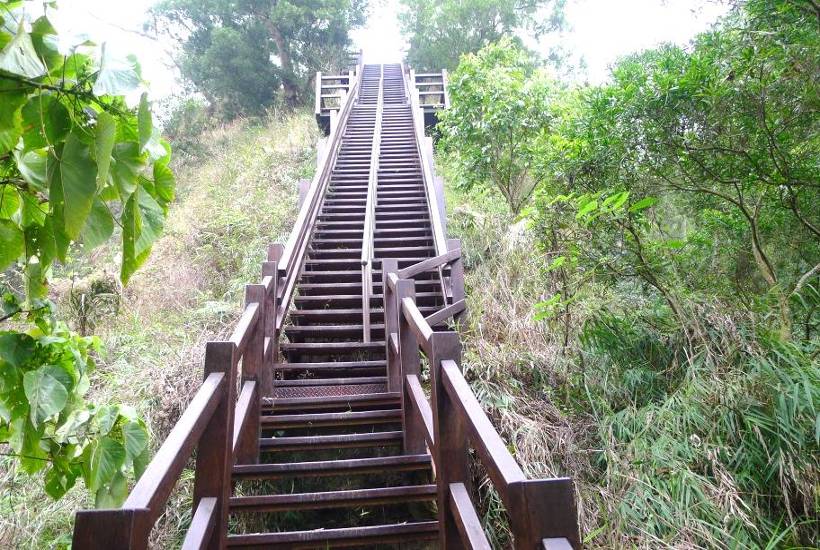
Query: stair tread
{"x": 417, "y": 461}
{"x": 349, "y": 535}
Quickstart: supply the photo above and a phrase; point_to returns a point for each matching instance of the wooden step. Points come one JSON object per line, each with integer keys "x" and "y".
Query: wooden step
{"x": 330, "y": 366}
{"x": 337, "y": 538}
{"x": 326, "y": 468}
{"x": 333, "y": 499}
{"x": 347, "y": 418}
{"x": 345, "y": 402}
{"x": 337, "y": 441}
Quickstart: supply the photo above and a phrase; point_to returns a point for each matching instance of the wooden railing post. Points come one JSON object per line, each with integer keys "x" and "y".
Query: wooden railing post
{"x": 127, "y": 529}
{"x": 391, "y": 326}
{"x": 450, "y": 434}
{"x": 214, "y": 457}
{"x": 274, "y": 268}
{"x": 456, "y": 276}
{"x": 543, "y": 509}
{"x": 408, "y": 363}
{"x": 247, "y": 451}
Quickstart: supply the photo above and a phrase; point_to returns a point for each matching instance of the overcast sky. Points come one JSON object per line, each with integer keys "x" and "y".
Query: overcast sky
{"x": 599, "y": 31}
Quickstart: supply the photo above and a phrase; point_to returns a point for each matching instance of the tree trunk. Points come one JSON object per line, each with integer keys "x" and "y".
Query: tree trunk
{"x": 289, "y": 86}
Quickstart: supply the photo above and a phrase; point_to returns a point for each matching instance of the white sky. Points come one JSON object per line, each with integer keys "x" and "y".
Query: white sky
{"x": 599, "y": 31}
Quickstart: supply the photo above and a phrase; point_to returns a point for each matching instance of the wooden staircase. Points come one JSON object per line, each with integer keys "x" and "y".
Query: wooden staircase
{"x": 313, "y": 427}
{"x": 330, "y": 397}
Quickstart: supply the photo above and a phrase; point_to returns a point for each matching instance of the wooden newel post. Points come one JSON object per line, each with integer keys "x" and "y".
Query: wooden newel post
{"x": 450, "y": 453}
{"x": 253, "y": 359}
{"x": 270, "y": 269}
{"x": 544, "y": 509}
{"x": 214, "y": 456}
{"x": 391, "y": 326}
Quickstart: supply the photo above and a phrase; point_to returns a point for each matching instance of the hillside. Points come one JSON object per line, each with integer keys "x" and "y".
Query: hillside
{"x": 236, "y": 194}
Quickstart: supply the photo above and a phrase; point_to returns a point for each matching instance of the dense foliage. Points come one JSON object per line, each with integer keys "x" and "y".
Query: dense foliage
{"x": 242, "y": 56}
{"x": 76, "y": 162}
{"x": 497, "y": 113}
{"x": 439, "y": 32}
{"x": 677, "y": 209}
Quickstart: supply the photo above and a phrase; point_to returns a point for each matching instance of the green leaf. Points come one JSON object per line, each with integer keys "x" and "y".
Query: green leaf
{"x": 556, "y": 263}
{"x": 98, "y": 227}
{"x": 16, "y": 348}
{"x": 142, "y": 221}
{"x": 144, "y": 125}
{"x": 104, "y": 419}
{"x": 164, "y": 182}
{"x": 19, "y": 56}
{"x": 106, "y": 132}
{"x": 33, "y": 166}
{"x": 586, "y": 208}
{"x": 54, "y": 121}
{"x": 46, "y": 395}
{"x": 103, "y": 459}
{"x": 72, "y": 178}
{"x": 117, "y": 76}
{"x": 135, "y": 437}
{"x": 11, "y": 118}
{"x": 113, "y": 494}
{"x": 58, "y": 481}
{"x": 9, "y": 201}
{"x": 642, "y": 204}
{"x": 141, "y": 462}
{"x": 12, "y": 243}
{"x": 128, "y": 163}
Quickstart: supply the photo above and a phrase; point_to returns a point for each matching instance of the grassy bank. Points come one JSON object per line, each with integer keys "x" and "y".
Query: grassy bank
{"x": 236, "y": 194}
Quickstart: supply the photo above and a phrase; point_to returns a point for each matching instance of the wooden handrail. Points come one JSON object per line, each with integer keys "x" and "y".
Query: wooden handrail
{"x": 223, "y": 429}
{"x": 370, "y": 212}
{"x": 295, "y": 250}
{"x": 153, "y": 487}
{"x": 439, "y": 240}
{"x": 542, "y": 511}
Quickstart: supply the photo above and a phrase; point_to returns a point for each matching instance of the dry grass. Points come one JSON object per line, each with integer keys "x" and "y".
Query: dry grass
{"x": 233, "y": 200}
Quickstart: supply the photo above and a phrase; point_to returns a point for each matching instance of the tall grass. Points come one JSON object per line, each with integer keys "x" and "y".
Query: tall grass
{"x": 236, "y": 194}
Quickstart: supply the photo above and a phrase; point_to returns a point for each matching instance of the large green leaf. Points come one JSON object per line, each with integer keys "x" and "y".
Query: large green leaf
{"x": 46, "y": 395}
{"x": 33, "y": 167}
{"x": 98, "y": 227}
{"x": 15, "y": 348}
{"x": 113, "y": 494}
{"x": 136, "y": 439}
{"x": 128, "y": 162}
{"x": 144, "y": 125}
{"x": 11, "y": 118}
{"x": 106, "y": 132}
{"x": 72, "y": 179}
{"x": 117, "y": 76}
{"x": 9, "y": 201}
{"x": 142, "y": 221}
{"x": 46, "y": 121}
{"x": 20, "y": 58}
{"x": 164, "y": 182}
{"x": 102, "y": 461}
{"x": 12, "y": 243}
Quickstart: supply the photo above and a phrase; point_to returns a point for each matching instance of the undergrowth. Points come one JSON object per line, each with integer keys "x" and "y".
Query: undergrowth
{"x": 236, "y": 194}
{"x": 671, "y": 445}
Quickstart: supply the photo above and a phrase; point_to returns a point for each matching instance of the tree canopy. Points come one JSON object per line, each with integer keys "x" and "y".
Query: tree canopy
{"x": 244, "y": 55}
{"x": 675, "y": 207}
{"x": 439, "y": 33}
